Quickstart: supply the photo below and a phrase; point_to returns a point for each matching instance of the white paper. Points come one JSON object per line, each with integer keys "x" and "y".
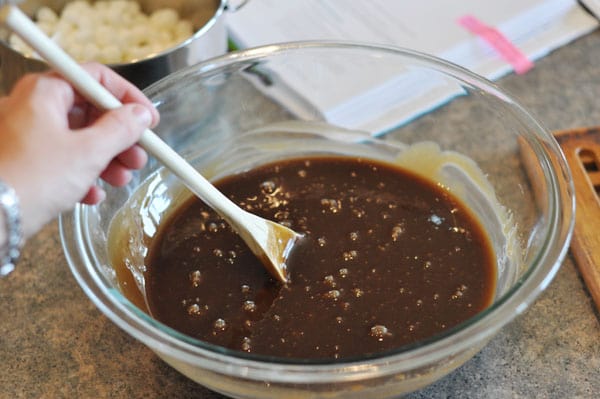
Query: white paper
{"x": 536, "y": 27}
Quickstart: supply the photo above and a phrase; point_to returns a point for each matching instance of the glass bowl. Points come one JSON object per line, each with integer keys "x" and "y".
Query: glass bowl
{"x": 245, "y": 108}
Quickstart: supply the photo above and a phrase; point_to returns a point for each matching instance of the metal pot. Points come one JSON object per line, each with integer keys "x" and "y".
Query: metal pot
{"x": 209, "y": 40}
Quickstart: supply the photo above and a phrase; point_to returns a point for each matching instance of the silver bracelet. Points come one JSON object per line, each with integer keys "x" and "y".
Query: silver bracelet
{"x": 11, "y": 248}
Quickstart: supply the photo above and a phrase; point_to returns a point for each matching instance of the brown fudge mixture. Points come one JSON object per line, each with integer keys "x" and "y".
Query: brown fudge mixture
{"x": 389, "y": 259}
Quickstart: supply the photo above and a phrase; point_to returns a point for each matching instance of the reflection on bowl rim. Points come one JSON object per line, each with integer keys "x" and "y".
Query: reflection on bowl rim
{"x": 477, "y": 329}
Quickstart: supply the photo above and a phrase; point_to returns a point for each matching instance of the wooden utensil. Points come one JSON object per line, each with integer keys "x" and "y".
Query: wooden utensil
{"x": 269, "y": 241}
{"x": 582, "y": 151}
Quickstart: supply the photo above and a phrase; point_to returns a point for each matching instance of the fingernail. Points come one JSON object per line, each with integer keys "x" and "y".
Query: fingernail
{"x": 142, "y": 114}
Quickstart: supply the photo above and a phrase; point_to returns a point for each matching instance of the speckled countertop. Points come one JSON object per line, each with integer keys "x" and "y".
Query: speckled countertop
{"x": 54, "y": 343}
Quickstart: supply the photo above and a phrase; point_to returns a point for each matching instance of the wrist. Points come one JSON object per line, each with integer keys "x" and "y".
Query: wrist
{"x": 11, "y": 234}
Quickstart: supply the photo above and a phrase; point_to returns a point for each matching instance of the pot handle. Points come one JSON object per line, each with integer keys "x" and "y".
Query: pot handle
{"x": 233, "y": 6}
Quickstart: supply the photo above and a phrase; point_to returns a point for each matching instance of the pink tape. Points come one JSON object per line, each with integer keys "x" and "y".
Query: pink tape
{"x": 499, "y": 42}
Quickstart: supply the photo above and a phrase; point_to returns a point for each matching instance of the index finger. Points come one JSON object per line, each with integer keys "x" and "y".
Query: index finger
{"x": 122, "y": 89}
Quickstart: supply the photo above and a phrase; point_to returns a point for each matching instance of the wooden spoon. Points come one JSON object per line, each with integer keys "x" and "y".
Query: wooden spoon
{"x": 269, "y": 241}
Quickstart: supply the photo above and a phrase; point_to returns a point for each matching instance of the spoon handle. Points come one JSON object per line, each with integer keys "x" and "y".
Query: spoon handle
{"x": 91, "y": 89}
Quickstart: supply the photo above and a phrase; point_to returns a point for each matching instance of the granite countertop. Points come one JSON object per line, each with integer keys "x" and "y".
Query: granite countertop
{"x": 54, "y": 343}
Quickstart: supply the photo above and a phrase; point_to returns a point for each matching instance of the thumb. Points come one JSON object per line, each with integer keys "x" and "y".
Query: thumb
{"x": 118, "y": 129}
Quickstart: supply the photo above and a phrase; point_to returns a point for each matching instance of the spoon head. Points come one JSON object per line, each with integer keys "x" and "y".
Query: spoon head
{"x": 271, "y": 242}
{"x": 282, "y": 242}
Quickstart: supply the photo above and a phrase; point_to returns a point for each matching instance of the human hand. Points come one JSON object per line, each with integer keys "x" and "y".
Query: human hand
{"x": 55, "y": 144}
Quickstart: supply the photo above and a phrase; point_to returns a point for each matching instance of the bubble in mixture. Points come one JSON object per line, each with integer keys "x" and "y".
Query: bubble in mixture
{"x": 282, "y": 215}
{"x": 212, "y": 227}
{"x": 460, "y": 291}
{"x": 357, "y": 292}
{"x": 246, "y": 344}
{"x": 332, "y": 205}
{"x": 219, "y": 325}
{"x": 287, "y": 223}
{"x": 321, "y": 241}
{"x": 458, "y": 229}
{"x": 245, "y": 289}
{"x": 349, "y": 255}
{"x": 301, "y": 223}
{"x": 197, "y": 310}
{"x": 218, "y": 252}
{"x": 379, "y": 332}
{"x": 302, "y": 173}
{"x": 435, "y": 219}
{"x": 353, "y": 235}
{"x": 359, "y": 213}
{"x": 193, "y": 309}
{"x": 230, "y": 258}
{"x": 195, "y": 278}
{"x": 333, "y": 294}
{"x": 343, "y": 272}
{"x": 397, "y": 231}
{"x": 268, "y": 187}
{"x": 330, "y": 281}
{"x": 249, "y": 306}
